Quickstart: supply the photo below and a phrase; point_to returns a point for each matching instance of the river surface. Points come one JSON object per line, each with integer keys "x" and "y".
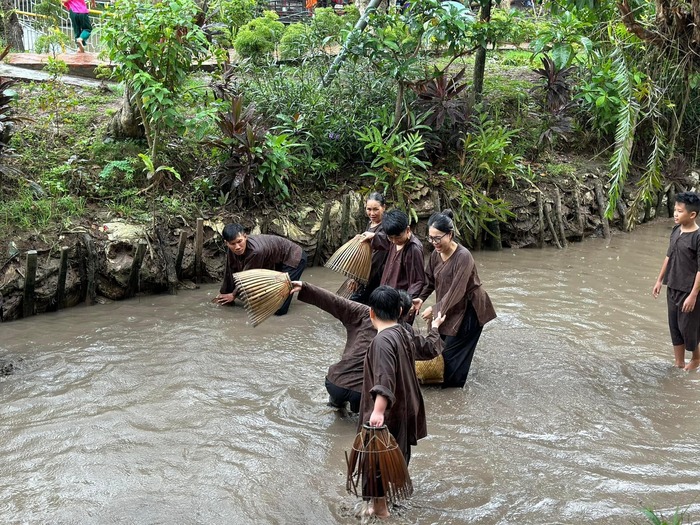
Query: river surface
{"x": 171, "y": 410}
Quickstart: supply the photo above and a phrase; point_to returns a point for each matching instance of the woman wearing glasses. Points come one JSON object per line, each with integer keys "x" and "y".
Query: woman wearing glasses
{"x": 451, "y": 273}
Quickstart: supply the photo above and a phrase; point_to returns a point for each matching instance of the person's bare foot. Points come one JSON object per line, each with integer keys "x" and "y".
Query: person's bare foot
{"x": 81, "y": 46}
{"x": 680, "y": 364}
{"x": 693, "y": 364}
{"x": 379, "y": 508}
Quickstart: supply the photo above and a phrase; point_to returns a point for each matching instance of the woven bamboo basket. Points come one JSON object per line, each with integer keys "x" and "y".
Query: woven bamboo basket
{"x": 262, "y": 292}
{"x": 377, "y": 466}
{"x": 353, "y": 259}
{"x": 431, "y": 372}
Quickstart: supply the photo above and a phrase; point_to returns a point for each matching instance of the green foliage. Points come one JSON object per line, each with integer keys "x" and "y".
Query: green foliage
{"x": 259, "y": 37}
{"x": 563, "y": 39}
{"x": 153, "y": 47}
{"x": 234, "y": 14}
{"x": 678, "y": 517}
{"x": 599, "y": 95}
{"x": 54, "y": 41}
{"x": 326, "y": 25}
{"x": 484, "y": 159}
{"x": 475, "y": 211}
{"x": 396, "y": 165}
{"x": 8, "y": 121}
{"x": 296, "y": 41}
{"x": 32, "y": 213}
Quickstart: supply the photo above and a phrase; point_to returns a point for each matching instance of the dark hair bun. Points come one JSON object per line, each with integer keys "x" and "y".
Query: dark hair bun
{"x": 449, "y": 213}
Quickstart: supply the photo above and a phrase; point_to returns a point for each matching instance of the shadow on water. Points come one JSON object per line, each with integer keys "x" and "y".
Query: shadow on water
{"x": 172, "y": 410}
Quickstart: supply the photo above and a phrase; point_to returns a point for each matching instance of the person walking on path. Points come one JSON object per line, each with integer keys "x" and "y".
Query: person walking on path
{"x": 680, "y": 272}
{"x": 80, "y": 21}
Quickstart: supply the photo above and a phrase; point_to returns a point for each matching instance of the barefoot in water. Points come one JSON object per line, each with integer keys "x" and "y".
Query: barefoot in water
{"x": 379, "y": 508}
{"x": 693, "y": 364}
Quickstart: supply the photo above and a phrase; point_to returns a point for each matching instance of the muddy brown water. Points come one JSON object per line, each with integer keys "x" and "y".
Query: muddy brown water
{"x": 168, "y": 409}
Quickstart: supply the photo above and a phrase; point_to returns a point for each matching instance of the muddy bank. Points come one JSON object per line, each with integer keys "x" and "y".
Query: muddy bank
{"x": 110, "y": 260}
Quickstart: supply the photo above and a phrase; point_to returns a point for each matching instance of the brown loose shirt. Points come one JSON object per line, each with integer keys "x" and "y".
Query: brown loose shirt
{"x": 683, "y": 260}
{"x": 456, "y": 283}
{"x": 403, "y": 269}
{"x": 346, "y": 373}
{"x": 389, "y": 370}
{"x": 378, "y": 256}
{"x": 268, "y": 252}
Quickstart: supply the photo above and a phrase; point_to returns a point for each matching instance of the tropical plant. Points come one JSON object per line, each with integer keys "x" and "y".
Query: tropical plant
{"x": 153, "y": 47}
{"x": 8, "y": 120}
{"x": 475, "y": 211}
{"x": 563, "y": 38}
{"x": 484, "y": 159}
{"x": 396, "y": 165}
{"x": 256, "y": 160}
{"x": 556, "y": 106}
{"x": 440, "y": 100}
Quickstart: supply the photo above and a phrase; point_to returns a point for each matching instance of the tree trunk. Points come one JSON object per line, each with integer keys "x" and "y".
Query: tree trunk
{"x": 126, "y": 123}
{"x": 12, "y": 32}
{"x": 480, "y": 56}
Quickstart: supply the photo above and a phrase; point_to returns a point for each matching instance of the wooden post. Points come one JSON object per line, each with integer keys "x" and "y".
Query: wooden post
{"x": 670, "y": 200}
{"x": 548, "y": 218}
{"x": 62, "y": 274}
{"x": 198, "y": 246}
{"x": 133, "y": 283}
{"x": 560, "y": 215}
{"x": 580, "y": 219}
{"x": 29, "y": 284}
{"x": 170, "y": 272}
{"x": 322, "y": 233}
{"x": 601, "y": 208}
{"x": 345, "y": 219}
{"x": 90, "y": 269}
{"x": 435, "y": 197}
{"x": 622, "y": 211}
{"x": 659, "y": 203}
{"x": 540, "y": 214}
{"x": 494, "y": 231}
{"x": 180, "y": 253}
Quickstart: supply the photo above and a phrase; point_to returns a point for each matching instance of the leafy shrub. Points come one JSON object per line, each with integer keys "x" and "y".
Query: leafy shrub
{"x": 234, "y": 14}
{"x": 326, "y": 25}
{"x": 259, "y": 37}
{"x": 599, "y": 96}
{"x": 296, "y": 41}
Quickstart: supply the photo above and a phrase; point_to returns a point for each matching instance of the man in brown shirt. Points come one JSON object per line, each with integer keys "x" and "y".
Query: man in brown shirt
{"x": 269, "y": 252}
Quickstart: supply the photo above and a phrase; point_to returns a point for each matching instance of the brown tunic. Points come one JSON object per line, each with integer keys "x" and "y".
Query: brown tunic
{"x": 346, "y": 373}
{"x": 683, "y": 260}
{"x": 403, "y": 269}
{"x": 378, "y": 258}
{"x": 389, "y": 370}
{"x": 267, "y": 252}
{"x": 456, "y": 284}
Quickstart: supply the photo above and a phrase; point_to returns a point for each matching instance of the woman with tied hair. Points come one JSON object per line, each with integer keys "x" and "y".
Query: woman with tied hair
{"x": 451, "y": 273}
{"x": 374, "y": 208}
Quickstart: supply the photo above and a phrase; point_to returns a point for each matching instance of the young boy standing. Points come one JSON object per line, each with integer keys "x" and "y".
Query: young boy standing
{"x": 680, "y": 272}
{"x": 391, "y": 394}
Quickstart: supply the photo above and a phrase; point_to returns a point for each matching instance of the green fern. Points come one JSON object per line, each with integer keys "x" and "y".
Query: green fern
{"x": 625, "y": 132}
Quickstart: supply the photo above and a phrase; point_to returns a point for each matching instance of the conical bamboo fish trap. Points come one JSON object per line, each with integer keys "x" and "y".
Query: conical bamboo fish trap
{"x": 353, "y": 259}
{"x": 262, "y": 292}
{"x": 431, "y": 372}
{"x": 377, "y": 465}
{"x": 346, "y": 289}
